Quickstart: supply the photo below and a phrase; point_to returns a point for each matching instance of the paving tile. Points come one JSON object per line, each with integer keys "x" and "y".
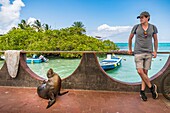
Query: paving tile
{"x": 26, "y": 100}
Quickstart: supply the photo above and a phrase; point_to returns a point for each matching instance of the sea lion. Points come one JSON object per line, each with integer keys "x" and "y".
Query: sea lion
{"x": 50, "y": 89}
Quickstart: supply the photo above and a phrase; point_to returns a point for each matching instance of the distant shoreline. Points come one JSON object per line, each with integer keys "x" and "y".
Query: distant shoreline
{"x": 162, "y": 46}
{"x": 127, "y": 42}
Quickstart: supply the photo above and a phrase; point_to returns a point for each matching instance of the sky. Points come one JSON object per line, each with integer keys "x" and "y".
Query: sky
{"x": 109, "y": 19}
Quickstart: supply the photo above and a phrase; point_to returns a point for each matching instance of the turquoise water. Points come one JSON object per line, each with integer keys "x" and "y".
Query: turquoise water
{"x": 126, "y": 72}
{"x": 161, "y": 46}
{"x": 64, "y": 67}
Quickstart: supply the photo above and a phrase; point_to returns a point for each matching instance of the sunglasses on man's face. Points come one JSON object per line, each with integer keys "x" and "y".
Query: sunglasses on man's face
{"x": 145, "y": 34}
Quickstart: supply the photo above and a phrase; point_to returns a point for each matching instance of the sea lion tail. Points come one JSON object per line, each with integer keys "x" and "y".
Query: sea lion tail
{"x": 60, "y": 94}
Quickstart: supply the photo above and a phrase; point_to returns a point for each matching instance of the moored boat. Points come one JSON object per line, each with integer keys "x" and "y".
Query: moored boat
{"x": 2, "y": 57}
{"x": 111, "y": 62}
{"x": 32, "y": 60}
{"x": 39, "y": 59}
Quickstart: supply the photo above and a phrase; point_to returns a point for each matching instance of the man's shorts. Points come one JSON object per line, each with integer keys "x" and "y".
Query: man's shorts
{"x": 143, "y": 60}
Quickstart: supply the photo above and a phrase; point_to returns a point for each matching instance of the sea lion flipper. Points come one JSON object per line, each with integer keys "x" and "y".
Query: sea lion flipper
{"x": 60, "y": 94}
{"x": 50, "y": 103}
{"x": 51, "y": 100}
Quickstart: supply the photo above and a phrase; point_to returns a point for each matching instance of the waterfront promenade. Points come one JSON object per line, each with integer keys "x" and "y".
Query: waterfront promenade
{"x": 26, "y": 100}
{"x": 91, "y": 90}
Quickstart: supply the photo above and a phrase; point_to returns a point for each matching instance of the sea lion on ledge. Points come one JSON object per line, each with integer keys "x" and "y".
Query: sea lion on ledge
{"x": 50, "y": 89}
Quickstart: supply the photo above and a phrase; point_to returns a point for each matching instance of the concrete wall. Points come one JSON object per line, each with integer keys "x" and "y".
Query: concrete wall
{"x": 88, "y": 75}
{"x": 25, "y": 77}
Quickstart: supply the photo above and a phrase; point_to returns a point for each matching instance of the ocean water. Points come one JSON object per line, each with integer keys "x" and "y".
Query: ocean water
{"x": 126, "y": 72}
{"x": 161, "y": 46}
{"x": 64, "y": 67}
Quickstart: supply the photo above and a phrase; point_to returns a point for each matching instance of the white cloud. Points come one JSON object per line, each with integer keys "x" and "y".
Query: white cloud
{"x": 9, "y": 14}
{"x": 31, "y": 20}
{"x": 109, "y": 31}
{"x": 116, "y": 29}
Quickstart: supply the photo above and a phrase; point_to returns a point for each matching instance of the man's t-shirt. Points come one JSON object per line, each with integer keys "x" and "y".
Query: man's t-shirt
{"x": 143, "y": 43}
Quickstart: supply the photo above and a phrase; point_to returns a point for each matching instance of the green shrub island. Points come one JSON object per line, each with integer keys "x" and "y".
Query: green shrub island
{"x": 39, "y": 37}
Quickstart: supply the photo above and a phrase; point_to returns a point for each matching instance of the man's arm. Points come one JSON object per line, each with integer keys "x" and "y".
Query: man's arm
{"x": 130, "y": 43}
{"x": 155, "y": 45}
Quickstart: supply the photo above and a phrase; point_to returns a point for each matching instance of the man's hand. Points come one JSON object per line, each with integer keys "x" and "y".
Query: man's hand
{"x": 130, "y": 52}
{"x": 154, "y": 54}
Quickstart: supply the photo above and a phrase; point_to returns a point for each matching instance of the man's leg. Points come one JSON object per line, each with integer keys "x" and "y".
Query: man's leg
{"x": 153, "y": 87}
{"x": 144, "y": 77}
{"x": 147, "y": 66}
{"x": 139, "y": 61}
{"x": 143, "y": 86}
{"x": 140, "y": 66}
{"x": 143, "y": 72}
{"x": 143, "y": 62}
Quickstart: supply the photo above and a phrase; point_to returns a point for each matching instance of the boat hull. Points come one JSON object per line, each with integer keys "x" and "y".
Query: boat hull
{"x": 31, "y": 60}
{"x": 110, "y": 67}
{"x": 109, "y": 64}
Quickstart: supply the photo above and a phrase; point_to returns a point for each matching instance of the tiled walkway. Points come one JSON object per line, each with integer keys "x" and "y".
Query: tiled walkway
{"x": 26, "y": 100}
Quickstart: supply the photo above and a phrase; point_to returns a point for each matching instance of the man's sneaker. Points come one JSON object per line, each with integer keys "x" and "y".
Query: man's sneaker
{"x": 143, "y": 96}
{"x": 154, "y": 91}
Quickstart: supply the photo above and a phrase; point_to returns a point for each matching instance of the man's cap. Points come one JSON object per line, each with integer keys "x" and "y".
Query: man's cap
{"x": 144, "y": 14}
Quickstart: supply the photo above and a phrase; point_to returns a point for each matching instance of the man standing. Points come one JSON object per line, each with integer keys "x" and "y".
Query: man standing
{"x": 143, "y": 51}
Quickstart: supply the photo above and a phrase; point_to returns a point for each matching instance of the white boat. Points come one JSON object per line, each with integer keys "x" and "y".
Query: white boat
{"x": 2, "y": 57}
{"x": 111, "y": 62}
{"x": 39, "y": 59}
